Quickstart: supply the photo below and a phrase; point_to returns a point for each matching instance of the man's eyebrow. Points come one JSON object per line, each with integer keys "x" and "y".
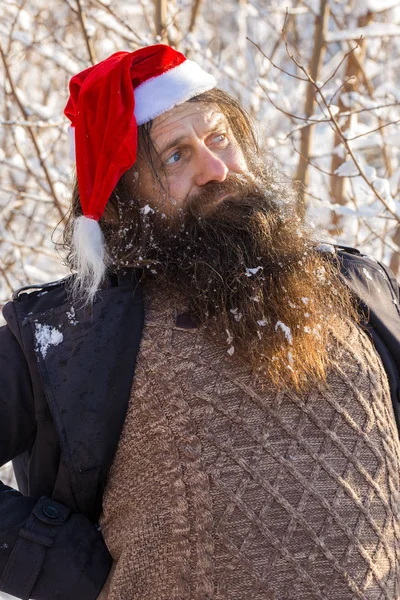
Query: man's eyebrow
{"x": 176, "y": 141}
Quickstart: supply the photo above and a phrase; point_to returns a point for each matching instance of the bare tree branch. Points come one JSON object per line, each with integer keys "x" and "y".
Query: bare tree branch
{"x": 31, "y": 133}
{"x": 195, "y": 11}
{"x": 88, "y": 41}
{"x": 346, "y": 144}
{"x": 274, "y": 64}
{"x": 320, "y": 29}
{"x": 161, "y": 20}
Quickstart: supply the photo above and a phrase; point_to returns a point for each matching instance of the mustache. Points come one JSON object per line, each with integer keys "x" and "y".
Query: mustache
{"x": 213, "y": 194}
{"x": 246, "y": 229}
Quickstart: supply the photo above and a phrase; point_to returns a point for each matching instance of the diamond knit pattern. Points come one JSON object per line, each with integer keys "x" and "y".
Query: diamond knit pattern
{"x": 223, "y": 488}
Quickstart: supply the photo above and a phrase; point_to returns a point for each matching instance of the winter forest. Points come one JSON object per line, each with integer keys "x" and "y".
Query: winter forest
{"x": 319, "y": 77}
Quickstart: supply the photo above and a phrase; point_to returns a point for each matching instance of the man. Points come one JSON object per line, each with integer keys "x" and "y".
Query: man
{"x": 252, "y": 451}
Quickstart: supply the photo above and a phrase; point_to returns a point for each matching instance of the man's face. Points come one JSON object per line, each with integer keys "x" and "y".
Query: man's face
{"x": 196, "y": 147}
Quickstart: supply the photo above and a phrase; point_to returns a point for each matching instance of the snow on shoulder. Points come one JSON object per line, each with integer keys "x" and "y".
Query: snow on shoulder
{"x": 45, "y": 337}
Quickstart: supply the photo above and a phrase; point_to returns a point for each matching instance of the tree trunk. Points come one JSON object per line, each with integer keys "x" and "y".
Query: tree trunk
{"x": 395, "y": 258}
{"x": 194, "y": 15}
{"x": 161, "y": 20}
{"x": 320, "y": 28}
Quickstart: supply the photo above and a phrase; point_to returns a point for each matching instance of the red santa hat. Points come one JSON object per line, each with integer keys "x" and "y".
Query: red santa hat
{"x": 107, "y": 103}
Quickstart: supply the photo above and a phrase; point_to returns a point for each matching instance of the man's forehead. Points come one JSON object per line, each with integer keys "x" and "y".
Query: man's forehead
{"x": 182, "y": 119}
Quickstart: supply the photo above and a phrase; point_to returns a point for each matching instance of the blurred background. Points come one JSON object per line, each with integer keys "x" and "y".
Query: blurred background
{"x": 319, "y": 77}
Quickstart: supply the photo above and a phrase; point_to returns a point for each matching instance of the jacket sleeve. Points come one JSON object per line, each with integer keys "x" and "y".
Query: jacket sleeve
{"x": 47, "y": 552}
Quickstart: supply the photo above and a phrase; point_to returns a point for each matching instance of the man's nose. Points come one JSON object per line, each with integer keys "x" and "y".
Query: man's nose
{"x": 209, "y": 168}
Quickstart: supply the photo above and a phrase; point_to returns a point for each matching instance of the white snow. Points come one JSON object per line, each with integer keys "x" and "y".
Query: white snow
{"x": 320, "y": 273}
{"x": 71, "y": 316}
{"x": 371, "y": 31}
{"x": 286, "y": 330}
{"x": 347, "y": 169}
{"x": 327, "y": 248}
{"x": 229, "y": 339}
{"x": 24, "y": 20}
{"x": 236, "y": 314}
{"x": 376, "y": 6}
{"x": 46, "y": 336}
{"x": 231, "y": 350}
{"x": 146, "y": 210}
{"x": 252, "y": 271}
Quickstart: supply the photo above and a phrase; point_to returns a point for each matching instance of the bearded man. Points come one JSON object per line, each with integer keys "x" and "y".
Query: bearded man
{"x": 252, "y": 451}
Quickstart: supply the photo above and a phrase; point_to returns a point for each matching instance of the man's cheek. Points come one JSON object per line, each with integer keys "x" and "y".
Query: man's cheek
{"x": 238, "y": 161}
{"x": 179, "y": 191}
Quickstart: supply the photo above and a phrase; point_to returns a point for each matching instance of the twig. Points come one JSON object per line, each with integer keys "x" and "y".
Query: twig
{"x": 108, "y": 9}
{"x": 312, "y": 164}
{"x": 274, "y": 64}
{"x": 320, "y": 28}
{"x": 308, "y": 120}
{"x": 39, "y": 124}
{"x": 88, "y": 41}
{"x": 384, "y": 240}
{"x": 195, "y": 12}
{"x": 353, "y": 157}
{"x": 6, "y": 279}
{"x": 371, "y": 95}
{"x": 341, "y": 86}
{"x": 355, "y": 137}
{"x": 36, "y": 249}
{"x": 344, "y": 57}
{"x": 337, "y": 127}
{"x": 31, "y": 133}
{"x": 40, "y": 181}
{"x": 160, "y": 19}
{"x": 26, "y": 195}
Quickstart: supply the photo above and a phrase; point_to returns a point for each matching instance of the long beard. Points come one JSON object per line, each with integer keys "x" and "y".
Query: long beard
{"x": 249, "y": 271}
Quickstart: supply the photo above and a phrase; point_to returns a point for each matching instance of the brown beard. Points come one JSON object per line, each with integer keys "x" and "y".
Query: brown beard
{"x": 249, "y": 270}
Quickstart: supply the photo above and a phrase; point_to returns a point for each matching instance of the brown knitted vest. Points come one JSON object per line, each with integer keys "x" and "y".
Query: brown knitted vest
{"x": 227, "y": 490}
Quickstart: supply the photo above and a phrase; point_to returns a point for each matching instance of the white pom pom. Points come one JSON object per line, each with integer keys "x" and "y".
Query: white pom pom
{"x": 89, "y": 258}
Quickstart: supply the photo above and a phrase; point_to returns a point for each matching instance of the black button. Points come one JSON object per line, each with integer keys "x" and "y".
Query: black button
{"x": 51, "y": 512}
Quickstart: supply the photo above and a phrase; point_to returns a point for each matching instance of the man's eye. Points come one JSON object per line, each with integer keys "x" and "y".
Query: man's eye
{"x": 221, "y": 139}
{"x": 174, "y": 158}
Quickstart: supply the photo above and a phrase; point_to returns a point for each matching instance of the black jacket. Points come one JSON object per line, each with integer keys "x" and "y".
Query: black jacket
{"x": 62, "y": 407}
{"x": 61, "y": 412}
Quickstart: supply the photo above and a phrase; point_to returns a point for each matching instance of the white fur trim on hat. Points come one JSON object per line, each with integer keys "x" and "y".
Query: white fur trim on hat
{"x": 160, "y": 94}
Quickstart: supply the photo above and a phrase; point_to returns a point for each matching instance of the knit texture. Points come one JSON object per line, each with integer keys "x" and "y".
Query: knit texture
{"x": 225, "y": 489}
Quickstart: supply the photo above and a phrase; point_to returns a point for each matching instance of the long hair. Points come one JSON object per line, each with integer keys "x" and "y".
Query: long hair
{"x": 248, "y": 268}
